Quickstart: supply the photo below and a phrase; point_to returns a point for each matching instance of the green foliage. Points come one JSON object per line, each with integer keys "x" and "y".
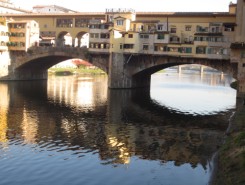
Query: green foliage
{"x": 243, "y": 159}
{"x": 63, "y": 73}
{"x": 234, "y": 85}
{"x": 240, "y": 139}
{"x": 80, "y": 70}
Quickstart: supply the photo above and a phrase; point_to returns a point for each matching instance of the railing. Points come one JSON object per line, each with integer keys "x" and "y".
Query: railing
{"x": 120, "y": 10}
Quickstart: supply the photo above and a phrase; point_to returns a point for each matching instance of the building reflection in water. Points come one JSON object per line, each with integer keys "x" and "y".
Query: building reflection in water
{"x": 4, "y": 99}
{"x": 29, "y": 126}
{"x": 78, "y": 114}
{"x": 78, "y": 91}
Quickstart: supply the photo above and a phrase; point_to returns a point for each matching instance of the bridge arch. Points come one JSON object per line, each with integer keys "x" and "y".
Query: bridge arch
{"x": 81, "y": 39}
{"x": 37, "y": 60}
{"x": 140, "y": 67}
{"x": 64, "y": 38}
{"x": 78, "y": 39}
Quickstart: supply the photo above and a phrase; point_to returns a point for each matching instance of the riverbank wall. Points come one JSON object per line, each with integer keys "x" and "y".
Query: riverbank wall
{"x": 231, "y": 156}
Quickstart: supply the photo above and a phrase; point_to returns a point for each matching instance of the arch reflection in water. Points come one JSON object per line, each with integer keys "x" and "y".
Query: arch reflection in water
{"x": 55, "y": 130}
{"x": 196, "y": 94}
{"x": 78, "y": 90}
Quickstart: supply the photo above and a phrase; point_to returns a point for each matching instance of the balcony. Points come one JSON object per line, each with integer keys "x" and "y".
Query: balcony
{"x": 174, "y": 40}
{"x": 214, "y": 56}
{"x": 17, "y": 48}
{"x": 238, "y": 45}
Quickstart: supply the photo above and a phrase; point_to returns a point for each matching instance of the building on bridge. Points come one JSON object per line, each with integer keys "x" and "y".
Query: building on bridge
{"x": 4, "y": 39}
{"x": 17, "y": 37}
{"x": 4, "y": 54}
{"x": 22, "y": 35}
{"x": 204, "y": 35}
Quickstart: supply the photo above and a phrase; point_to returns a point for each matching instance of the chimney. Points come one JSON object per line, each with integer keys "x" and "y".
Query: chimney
{"x": 232, "y": 8}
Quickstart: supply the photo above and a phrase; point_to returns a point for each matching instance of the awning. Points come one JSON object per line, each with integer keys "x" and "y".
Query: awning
{"x": 238, "y": 45}
{"x": 229, "y": 24}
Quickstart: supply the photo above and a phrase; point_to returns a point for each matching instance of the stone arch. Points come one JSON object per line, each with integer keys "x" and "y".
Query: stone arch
{"x": 139, "y": 68}
{"x": 64, "y": 38}
{"x": 81, "y": 39}
{"x": 35, "y": 63}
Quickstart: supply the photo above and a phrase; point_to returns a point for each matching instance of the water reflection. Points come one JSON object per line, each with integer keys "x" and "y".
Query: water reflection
{"x": 4, "y": 99}
{"x": 78, "y": 91}
{"x": 193, "y": 94}
{"x": 77, "y": 118}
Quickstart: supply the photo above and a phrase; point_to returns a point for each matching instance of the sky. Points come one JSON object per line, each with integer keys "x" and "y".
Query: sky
{"x": 138, "y": 5}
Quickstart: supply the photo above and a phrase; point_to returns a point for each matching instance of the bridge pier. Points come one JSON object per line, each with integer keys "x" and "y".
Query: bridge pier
{"x": 119, "y": 74}
{"x": 241, "y": 80}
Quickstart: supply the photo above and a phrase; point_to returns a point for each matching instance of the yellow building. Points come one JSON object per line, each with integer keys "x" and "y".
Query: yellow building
{"x": 3, "y": 35}
{"x": 190, "y": 34}
{"x": 204, "y": 35}
{"x": 23, "y": 34}
{"x": 4, "y": 40}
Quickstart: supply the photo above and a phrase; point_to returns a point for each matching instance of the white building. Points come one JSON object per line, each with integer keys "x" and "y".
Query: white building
{"x": 51, "y": 9}
{"x": 7, "y": 7}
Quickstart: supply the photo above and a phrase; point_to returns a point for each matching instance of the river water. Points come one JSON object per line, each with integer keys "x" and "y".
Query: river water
{"x": 73, "y": 130}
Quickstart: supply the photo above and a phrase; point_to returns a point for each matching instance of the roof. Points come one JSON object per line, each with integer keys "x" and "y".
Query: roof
{"x": 119, "y": 17}
{"x": 146, "y": 21}
{"x": 185, "y": 14}
{"x": 53, "y": 6}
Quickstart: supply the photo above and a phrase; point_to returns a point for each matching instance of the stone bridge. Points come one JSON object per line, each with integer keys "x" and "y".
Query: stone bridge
{"x": 125, "y": 70}
{"x": 33, "y": 64}
{"x": 135, "y": 70}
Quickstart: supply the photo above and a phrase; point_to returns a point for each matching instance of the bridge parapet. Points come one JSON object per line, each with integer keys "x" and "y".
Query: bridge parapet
{"x": 71, "y": 51}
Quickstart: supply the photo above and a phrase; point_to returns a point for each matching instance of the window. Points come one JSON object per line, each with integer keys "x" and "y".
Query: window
{"x": 128, "y": 46}
{"x": 145, "y": 47}
{"x": 243, "y": 54}
{"x": 64, "y": 23}
{"x": 185, "y": 50}
{"x": 160, "y": 48}
{"x": 94, "y": 35}
{"x": 160, "y": 27}
{"x": 174, "y": 49}
{"x": 104, "y": 35}
{"x": 91, "y": 45}
{"x": 174, "y": 39}
{"x": 143, "y": 36}
{"x": 215, "y": 51}
{"x": 160, "y": 36}
{"x": 130, "y": 35}
{"x": 187, "y": 28}
{"x": 120, "y": 22}
{"x": 173, "y": 30}
{"x": 79, "y": 22}
{"x": 201, "y": 29}
{"x": 201, "y": 50}
{"x": 229, "y": 28}
{"x": 215, "y": 29}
